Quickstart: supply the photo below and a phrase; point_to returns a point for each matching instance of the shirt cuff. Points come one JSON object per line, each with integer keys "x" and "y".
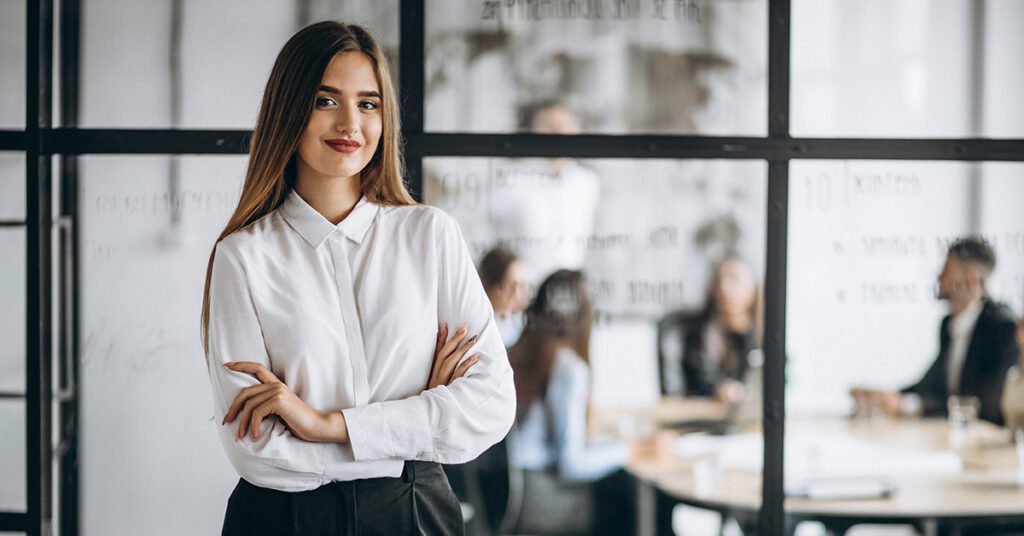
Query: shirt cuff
{"x": 398, "y": 429}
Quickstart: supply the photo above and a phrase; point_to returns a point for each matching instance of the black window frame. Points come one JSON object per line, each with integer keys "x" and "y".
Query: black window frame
{"x": 42, "y": 142}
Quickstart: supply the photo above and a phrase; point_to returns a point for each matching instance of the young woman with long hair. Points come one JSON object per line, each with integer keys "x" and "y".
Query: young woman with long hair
{"x": 326, "y": 315}
{"x": 571, "y": 485}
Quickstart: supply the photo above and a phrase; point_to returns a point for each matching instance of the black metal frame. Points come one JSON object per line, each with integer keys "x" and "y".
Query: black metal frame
{"x": 40, "y": 141}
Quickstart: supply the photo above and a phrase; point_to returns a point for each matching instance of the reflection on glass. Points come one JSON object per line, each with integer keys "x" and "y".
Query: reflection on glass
{"x": 871, "y": 282}
{"x": 656, "y": 249}
{"x": 907, "y": 69}
{"x": 139, "y": 70}
{"x": 12, "y": 311}
{"x": 145, "y": 245}
{"x": 12, "y": 65}
{"x": 12, "y": 462}
{"x": 633, "y": 66}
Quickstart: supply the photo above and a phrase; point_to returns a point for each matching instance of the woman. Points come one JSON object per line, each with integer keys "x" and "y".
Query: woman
{"x": 714, "y": 343}
{"x": 504, "y": 278}
{"x": 324, "y": 293}
{"x": 549, "y": 441}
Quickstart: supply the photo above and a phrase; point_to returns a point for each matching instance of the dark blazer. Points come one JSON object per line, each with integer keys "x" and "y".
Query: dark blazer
{"x": 684, "y": 366}
{"x": 990, "y": 354}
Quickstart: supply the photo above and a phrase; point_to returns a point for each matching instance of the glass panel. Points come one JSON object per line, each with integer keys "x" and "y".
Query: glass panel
{"x": 12, "y": 186}
{"x": 629, "y": 66}
{"x": 907, "y": 69}
{"x": 12, "y": 65}
{"x": 12, "y": 310}
{"x": 649, "y": 247}
{"x": 868, "y": 241}
{"x": 12, "y": 456}
{"x": 146, "y": 240}
{"x": 128, "y": 48}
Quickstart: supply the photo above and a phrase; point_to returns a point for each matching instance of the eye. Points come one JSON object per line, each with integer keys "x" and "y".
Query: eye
{"x": 369, "y": 105}
{"x": 324, "y": 102}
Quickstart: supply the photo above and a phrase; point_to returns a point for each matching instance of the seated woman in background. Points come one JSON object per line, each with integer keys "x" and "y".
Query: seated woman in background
{"x": 504, "y": 278}
{"x": 1013, "y": 392}
{"x": 709, "y": 348}
{"x": 549, "y": 439}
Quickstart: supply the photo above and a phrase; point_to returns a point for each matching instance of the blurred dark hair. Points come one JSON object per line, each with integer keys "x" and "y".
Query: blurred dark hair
{"x": 560, "y": 316}
{"x": 494, "y": 266}
{"x": 974, "y": 250}
{"x": 756, "y": 310}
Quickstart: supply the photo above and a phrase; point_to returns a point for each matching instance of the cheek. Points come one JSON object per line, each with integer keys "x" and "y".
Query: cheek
{"x": 372, "y": 130}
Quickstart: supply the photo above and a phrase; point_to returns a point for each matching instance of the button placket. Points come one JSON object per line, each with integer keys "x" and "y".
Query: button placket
{"x": 350, "y": 316}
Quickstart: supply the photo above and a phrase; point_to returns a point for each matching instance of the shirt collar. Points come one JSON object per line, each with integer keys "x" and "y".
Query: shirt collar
{"x": 964, "y": 321}
{"x": 315, "y": 228}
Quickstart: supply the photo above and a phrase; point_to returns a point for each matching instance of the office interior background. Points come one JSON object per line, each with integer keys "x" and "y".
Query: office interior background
{"x": 839, "y": 161}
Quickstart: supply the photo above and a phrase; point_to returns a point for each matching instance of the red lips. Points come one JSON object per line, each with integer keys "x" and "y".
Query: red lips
{"x": 343, "y": 145}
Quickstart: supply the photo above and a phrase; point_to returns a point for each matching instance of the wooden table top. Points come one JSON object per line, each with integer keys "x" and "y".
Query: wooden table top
{"x": 932, "y": 479}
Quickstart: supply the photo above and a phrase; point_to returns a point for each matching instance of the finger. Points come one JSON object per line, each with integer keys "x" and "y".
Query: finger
{"x": 245, "y": 416}
{"x": 453, "y": 343}
{"x": 261, "y": 372}
{"x": 462, "y": 369}
{"x": 452, "y": 360}
{"x": 241, "y": 398}
{"x": 442, "y": 335}
{"x": 267, "y": 408}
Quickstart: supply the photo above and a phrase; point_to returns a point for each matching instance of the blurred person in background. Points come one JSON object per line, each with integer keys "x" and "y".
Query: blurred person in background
{"x": 706, "y": 354}
{"x": 503, "y": 275}
{"x": 571, "y": 485}
{"x": 976, "y": 343}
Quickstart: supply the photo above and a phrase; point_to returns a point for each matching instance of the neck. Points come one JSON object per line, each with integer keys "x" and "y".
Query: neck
{"x": 958, "y": 306}
{"x": 333, "y": 197}
{"x": 735, "y": 322}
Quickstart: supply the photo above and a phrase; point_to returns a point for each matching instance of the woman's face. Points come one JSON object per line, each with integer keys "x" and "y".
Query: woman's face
{"x": 345, "y": 127}
{"x": 735, "y": 288}
{"x": 511, "y": 295}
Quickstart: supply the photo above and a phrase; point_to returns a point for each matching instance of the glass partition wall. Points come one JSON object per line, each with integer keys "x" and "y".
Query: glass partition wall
{"x": 639, "y": 140}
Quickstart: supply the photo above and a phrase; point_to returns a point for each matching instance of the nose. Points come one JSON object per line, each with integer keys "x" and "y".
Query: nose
{"x": 347, "y": 119}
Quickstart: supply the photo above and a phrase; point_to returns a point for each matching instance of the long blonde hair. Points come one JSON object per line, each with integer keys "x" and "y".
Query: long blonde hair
{"x": 287, "y": 105}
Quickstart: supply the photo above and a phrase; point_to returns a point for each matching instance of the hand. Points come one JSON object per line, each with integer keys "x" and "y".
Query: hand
{"x": 658, "y": 447}
{"x": 730, "y": 392}
{"x": 448, "y": 353}
{"x": 273, "y": 397}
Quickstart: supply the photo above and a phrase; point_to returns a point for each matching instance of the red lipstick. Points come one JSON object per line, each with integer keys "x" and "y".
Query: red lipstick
{"x": 343, "y": 145}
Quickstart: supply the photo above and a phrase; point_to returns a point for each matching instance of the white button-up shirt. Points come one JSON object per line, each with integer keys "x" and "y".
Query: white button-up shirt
{"x": 347, "y": 317}
{"x": 961, "y": 328}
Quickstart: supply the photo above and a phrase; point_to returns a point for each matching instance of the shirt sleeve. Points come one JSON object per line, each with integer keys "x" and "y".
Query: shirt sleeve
{"x": 579, "y": 460}
{"x": 449, "y": 423}
{"x": 277, "y": 459}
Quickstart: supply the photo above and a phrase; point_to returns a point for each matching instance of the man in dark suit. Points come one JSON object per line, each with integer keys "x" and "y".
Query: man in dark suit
{"x": 976, "y": 341}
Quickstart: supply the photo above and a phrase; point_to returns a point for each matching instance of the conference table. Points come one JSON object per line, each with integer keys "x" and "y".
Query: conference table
{"x": 938, "y": 488}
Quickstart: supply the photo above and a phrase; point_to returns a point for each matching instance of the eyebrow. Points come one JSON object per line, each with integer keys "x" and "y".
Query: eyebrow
{"x": 336, "y": 91}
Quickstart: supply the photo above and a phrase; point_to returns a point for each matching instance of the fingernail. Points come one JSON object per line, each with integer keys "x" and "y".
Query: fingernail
{"x": 228, "y": 364}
